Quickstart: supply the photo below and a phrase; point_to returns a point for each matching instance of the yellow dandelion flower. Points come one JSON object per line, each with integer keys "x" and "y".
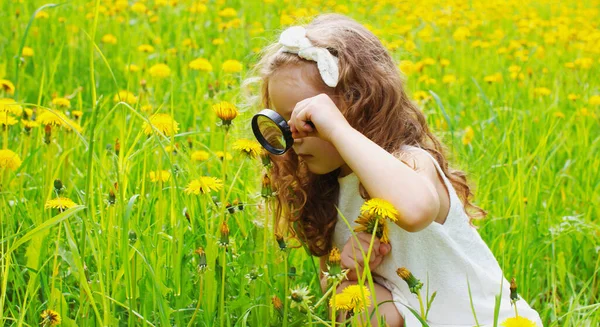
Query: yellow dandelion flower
{"x": 359, "y": 296}
{"x": 444, "y": 62}
{"x": 9, "y": 160}
{"x": 41, "y": 15}
{"x": 468, "y": 136}
{"x": 249, "y": 147}
{"x": 493, "y": 78}
{"x": 221, "y": 154}
{"x": 232, "y": 66}
{"x": 228, "y": 12}
{"x": 58, "y": 119}
{"x": 225, "y": 111}
{"x": 109, "y": 39}
{"x": 558, "y": 114}
{"x": 341, "y": 301}
{"x": 541, "y": 91}
{"x": 7, "y": 86}
{"x": 573, "y": 97}
{"x": 380, "y": 208}
{"x": 27, "y": 52}
{"x": 61, "y": 102}
{"x": 449, "y": 79}
{"x": 147, "y": 48}
{"x": 133, "y": 68}
{"x": 139, "y": 8}
{"x": 334, "y": 255}
{"x": 125, "y": 96}
{"x": 160, "y": 71}
{"x": 462, "y": 33}
{"x": 29, "y": 124}
{"x": 164, "y": 123}
{"x": 160, "y": 176}
{"x": 6, "y": 119}
{"x": 200, "y": 155}
{"x": 60, "y": 203}
{"x": 594, "y": 100}
{"x": 204, "y": 185}
{"x": 518, "y": 322}
{"x": 77, "y": 113}
{"x": 201, "y": 64}
{"x": 10, "y": 106}
{"x": 50, "y": 318}
{"x": 218, "y": 41}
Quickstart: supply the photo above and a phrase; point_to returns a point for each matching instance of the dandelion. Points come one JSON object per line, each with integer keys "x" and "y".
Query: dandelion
{"x": 6, "y": 119}
{"x": 160, "y": 176}
{"x": 374, "y": 213}
{"x": 139, "y": 8}
{"x": 202, "y": 265}
{"x": 334, "y": 269}
{"x": 518, "y": 322}
{"x": 218, "y": 41}
{"x": 541, "y": 91}
{"x": 125, "y": 96}
{"x": 468, "y": 136}
{"x": 354, "y": 297}
{"x": 201, "y": 64}
{"x": 221, "y": 155}
{"x": 228, "y": 12}
{"x": 164, "y": 123}
{"x": 232, "y": 66}
{"x": 50, "y": 318}
{"x": 41, "y": 15}
{"x": 61, "y": 102}
{"x": 225, "y": 111}
{"x": 160, "y": 71}
{"x": 250, "y": 148}
{"x": 413, "y": 283}
{"x": 77, "y": 114}
{"x": 280, "y": 241}
{"x": 200, "y": 155}
{"x": 146, "y": 48}
{"x": 461, "y": 34}
{"x": 7, "y": 86}
{"x": 300, "y": 297}
{"x": 29, "y": 124}
{"x": 594, "y": 100}
{"x": 267, "y": 190}
{"x": 224, "y": 237}
{"x": 558, "y": 114}
{"x": 132, "y": 68}
{"x": 48, "y": 118}
{"x": 27, "y": 52}
{"x": 58, "y": 186}
{"x": 493, "y": 78}
{"x": 449, "y": 79}
{"x": 9, "y": 160}
{"x": 573, "y": 97}
{"x": 109, "y": 39}
{"x": 277, "y": 304}
{"x": 10, "y": 106}
{"x": 380, "y": 208}
{"x": 60, "y": 203}
{"x": 204, "y": 185}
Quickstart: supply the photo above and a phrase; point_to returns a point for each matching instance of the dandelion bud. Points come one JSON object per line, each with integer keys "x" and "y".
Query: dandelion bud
{"x": 334, "y": 268}
{"x": 224, "y": 240}
{"x": 186, "y": 214}
{"x": 112, "y": 199}
{"x": 132, "y": 237}
{"x": 202, "y": 260}
{"x": 143, "y": 84}
{"x": 189, "y": 142}
{"x": 266, "y": 190}
{"x": 514, "y": 296}
{"x": 413, "y": 283}
{"x": 277, "y": 304}
{"x": 292, "y": 273}
{"x": 117, "y": 147}
{"x": 280, "y": 241}
{"x": 239, "y": 205}
{"x": 17, "y": 13}
{"x": 226, "y": 112}
{"x": 47, "y": 134}
{"x": 265, "y": 158}
{"x": 58, "y": 186}
{"x": 230, "y": 208}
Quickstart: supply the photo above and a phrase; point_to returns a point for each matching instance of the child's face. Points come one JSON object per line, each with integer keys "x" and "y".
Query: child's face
{"x": 287, "y": 88}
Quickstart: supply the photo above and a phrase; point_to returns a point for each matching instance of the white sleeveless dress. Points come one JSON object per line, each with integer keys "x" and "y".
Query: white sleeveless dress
{"x": 447, "y": 254}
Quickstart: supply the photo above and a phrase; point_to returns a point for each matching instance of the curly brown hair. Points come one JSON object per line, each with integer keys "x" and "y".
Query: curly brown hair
{"x": 370, "y": 94}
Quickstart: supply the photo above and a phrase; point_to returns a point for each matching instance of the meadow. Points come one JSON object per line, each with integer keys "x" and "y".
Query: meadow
{"x": 133, "y": 193}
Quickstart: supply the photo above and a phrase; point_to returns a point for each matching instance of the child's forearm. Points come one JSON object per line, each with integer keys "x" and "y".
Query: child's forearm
{"x": 386, "y": 177}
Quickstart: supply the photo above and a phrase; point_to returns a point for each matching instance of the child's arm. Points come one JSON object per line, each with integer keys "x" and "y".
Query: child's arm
{"x": 412, "y": 193}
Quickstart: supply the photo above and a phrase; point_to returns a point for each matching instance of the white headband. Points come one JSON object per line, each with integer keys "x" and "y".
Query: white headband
{"x": 294, "y": 40}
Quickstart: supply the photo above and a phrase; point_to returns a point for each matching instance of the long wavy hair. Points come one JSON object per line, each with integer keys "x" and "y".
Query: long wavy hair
{"x": 370, "y": 94}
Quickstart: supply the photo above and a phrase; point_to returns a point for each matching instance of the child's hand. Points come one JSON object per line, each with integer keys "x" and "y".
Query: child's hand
{"x": 352, "y": 248}
{"x": 322, "y": 112}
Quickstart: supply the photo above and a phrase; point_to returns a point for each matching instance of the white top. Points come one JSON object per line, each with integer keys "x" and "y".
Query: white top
{"x": 446, "y": 254}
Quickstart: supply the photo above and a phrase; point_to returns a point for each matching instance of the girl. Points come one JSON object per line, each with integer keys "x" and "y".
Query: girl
{"x": 370, "y": 141}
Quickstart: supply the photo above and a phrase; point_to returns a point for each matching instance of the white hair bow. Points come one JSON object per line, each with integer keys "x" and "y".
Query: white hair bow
{"x": 294, "y": 40}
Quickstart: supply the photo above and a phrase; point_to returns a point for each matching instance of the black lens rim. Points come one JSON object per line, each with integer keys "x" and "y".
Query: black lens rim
{"x": 281, "y": 123}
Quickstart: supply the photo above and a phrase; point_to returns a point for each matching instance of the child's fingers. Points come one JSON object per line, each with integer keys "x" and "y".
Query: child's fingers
{"x": 385, "y": 249}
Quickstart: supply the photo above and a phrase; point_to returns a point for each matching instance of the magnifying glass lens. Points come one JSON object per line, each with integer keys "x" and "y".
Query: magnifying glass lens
{"x": 271, "y": 133}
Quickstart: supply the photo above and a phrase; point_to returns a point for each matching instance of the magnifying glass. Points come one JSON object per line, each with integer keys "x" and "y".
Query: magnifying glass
{"x": 272, "y": 131}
